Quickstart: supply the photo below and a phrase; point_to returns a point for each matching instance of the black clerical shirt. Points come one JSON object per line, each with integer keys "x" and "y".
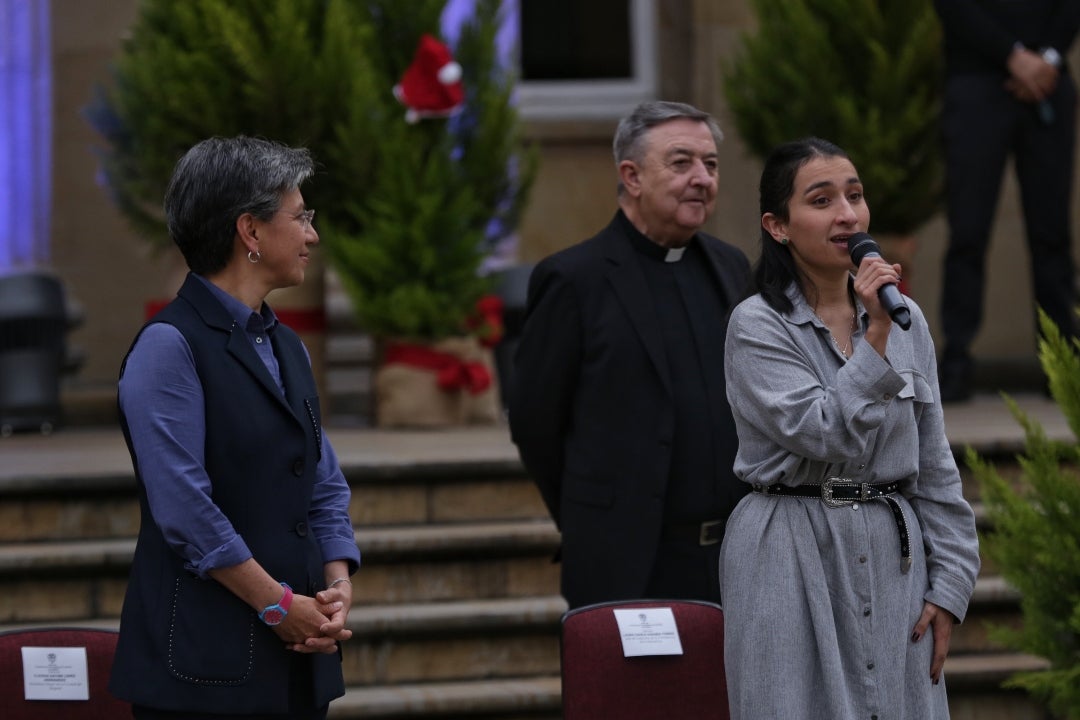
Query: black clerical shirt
{"x": 692, "y": 309}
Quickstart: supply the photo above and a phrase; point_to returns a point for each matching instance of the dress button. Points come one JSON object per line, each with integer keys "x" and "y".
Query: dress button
{"x": 887, "y": 397}
{"x": 854, "y": 506}
{"x": 866, "y": 612}
{"x": 301, "y": 529}
{"x": 869, "y": 666}
{"x": 862, "y": 558}
{"x": 258, "y": 339}
{"x": 298, "y": 468}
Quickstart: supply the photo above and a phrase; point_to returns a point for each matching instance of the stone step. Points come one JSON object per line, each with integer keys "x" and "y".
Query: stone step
{"x": 994, "y": 603}
{"x": 457, "y": 562}
{"x": 74, "y": 580}
{"x": 975, "y": 687}
{"x": 418, "y": 499}
{"x": 535, "y": 698}
{"x": 453, "y": 642}
{"x": 103, "y": 506}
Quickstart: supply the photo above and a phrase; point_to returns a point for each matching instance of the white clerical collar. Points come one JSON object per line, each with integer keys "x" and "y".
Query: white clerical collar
{"x": 674, "y": 255}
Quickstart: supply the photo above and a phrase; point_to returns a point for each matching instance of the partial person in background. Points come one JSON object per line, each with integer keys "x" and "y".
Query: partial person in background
{"x": 1008, "y": 91}
{"x": 239, "y": 590}
{"x": 846, "y": 567}
{"x": 618, "y": 407}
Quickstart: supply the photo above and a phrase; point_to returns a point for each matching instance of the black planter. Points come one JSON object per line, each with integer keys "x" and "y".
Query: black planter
{"x": 33, "y": 323}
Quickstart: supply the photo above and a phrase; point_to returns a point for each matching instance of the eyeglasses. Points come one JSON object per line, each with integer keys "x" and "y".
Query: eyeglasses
{"x": 306, "y": 217}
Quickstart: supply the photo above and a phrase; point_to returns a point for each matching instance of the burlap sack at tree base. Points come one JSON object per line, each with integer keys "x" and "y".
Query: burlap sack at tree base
{"x": 407, "y": 396}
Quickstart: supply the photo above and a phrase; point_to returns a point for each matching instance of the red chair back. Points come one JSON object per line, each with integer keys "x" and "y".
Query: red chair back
{"x": 100, "y": 647}
{"x": 599, "y": 682}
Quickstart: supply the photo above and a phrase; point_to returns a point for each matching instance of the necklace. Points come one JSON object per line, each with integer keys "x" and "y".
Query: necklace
{"x": 846, "y": 349}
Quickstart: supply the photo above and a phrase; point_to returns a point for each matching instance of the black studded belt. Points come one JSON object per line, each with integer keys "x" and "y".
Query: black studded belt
{"x": 839, "y": 492}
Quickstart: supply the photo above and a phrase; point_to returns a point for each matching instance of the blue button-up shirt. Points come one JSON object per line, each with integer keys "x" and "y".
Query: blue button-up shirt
{"x": 162, "y": 399}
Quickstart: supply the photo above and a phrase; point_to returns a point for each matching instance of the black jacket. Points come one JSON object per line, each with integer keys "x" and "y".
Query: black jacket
{"x": 592, "y": 412}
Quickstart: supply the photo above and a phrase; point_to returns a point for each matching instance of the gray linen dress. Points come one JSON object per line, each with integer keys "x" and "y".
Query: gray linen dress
{"x": 818, "y": 612}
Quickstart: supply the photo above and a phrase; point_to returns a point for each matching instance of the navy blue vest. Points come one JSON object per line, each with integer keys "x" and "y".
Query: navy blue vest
{"x": 188, "y": 644}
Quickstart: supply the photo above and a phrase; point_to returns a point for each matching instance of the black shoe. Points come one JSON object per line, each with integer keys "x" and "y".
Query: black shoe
{"x": 955, "y": 379}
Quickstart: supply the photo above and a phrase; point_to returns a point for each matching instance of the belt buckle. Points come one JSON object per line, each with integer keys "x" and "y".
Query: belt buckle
{"x": 703, "y": 536}
{"x": 827, "y": 491}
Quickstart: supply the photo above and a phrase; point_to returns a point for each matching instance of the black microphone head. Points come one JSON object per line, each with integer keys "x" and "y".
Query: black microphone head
{"x": 860, "y": 245}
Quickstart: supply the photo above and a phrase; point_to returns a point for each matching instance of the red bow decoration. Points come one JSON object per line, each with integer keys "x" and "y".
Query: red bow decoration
{"x": 452, "y": 373}
{"x": 487, "y": 321}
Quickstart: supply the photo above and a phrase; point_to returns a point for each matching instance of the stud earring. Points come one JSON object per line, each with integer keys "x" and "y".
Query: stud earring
{"x": 784, "y": 241}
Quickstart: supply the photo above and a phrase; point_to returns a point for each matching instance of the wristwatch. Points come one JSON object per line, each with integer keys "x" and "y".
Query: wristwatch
{"x": 1051, "y": 56}
{"x": 274, "y": 614}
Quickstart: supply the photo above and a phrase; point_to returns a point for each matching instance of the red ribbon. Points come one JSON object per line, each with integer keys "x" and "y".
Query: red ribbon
{"x": 452, "y": 373}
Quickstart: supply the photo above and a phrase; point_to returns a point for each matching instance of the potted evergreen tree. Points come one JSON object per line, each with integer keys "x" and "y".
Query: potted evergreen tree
{"x": 406, "y": 209}
{"x": 864, "y": 74}
{"x": 452, "y": 178}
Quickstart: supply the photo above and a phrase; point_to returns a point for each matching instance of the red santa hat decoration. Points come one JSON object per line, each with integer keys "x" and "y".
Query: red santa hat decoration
{"x": 431, "y": 85}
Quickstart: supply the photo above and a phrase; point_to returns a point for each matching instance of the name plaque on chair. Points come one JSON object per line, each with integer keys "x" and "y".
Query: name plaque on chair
{"x": 648, "y": 631}
{"x": 55, "y": 673}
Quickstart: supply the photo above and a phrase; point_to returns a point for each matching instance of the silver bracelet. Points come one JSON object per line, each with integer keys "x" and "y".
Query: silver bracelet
{"x": 339, "y": 580}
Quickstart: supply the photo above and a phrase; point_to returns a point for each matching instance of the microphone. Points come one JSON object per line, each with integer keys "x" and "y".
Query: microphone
{"x": 861, "y": 245}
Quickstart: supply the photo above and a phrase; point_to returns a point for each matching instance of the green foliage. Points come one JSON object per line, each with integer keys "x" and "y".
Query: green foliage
{"x": 1035, "y": 536}
{"x": 413, "y": 273}
{"x": 864, "y": 74}
{"x": 495, "y": 160}
{"x": 444, "y": 185}
{"x": 405, "y": 211}
{"x": 289, "y": 70}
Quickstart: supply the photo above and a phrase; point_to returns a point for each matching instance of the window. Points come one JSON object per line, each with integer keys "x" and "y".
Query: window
{"x": 577, "y": 58}
{"x": 594, "y": 59}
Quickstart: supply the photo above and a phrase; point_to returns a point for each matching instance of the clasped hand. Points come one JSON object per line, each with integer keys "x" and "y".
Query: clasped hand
{"x": 1031, "y": 78}
{"x": 317, "y": 624}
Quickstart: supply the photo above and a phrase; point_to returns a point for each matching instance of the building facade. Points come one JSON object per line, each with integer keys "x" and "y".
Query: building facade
{"x": 112, "y": 273}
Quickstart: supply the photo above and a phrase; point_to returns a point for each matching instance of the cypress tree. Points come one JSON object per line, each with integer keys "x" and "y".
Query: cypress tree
{"x": 448, "y": 188}
{"x": 1034, "y": 535}
{"x": 864, "y": 74}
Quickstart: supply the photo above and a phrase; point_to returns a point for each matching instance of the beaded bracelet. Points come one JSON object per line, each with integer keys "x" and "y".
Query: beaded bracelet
{"x": 339, "y": 580}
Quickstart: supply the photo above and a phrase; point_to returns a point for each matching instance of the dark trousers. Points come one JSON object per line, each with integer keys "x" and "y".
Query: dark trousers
{"x": 685, "y": 571}
{"x": 983, "y": 124}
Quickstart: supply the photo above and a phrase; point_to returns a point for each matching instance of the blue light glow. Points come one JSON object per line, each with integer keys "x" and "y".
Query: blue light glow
{"x": 457, "y": 12}
{"x": 25, "y": 133}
